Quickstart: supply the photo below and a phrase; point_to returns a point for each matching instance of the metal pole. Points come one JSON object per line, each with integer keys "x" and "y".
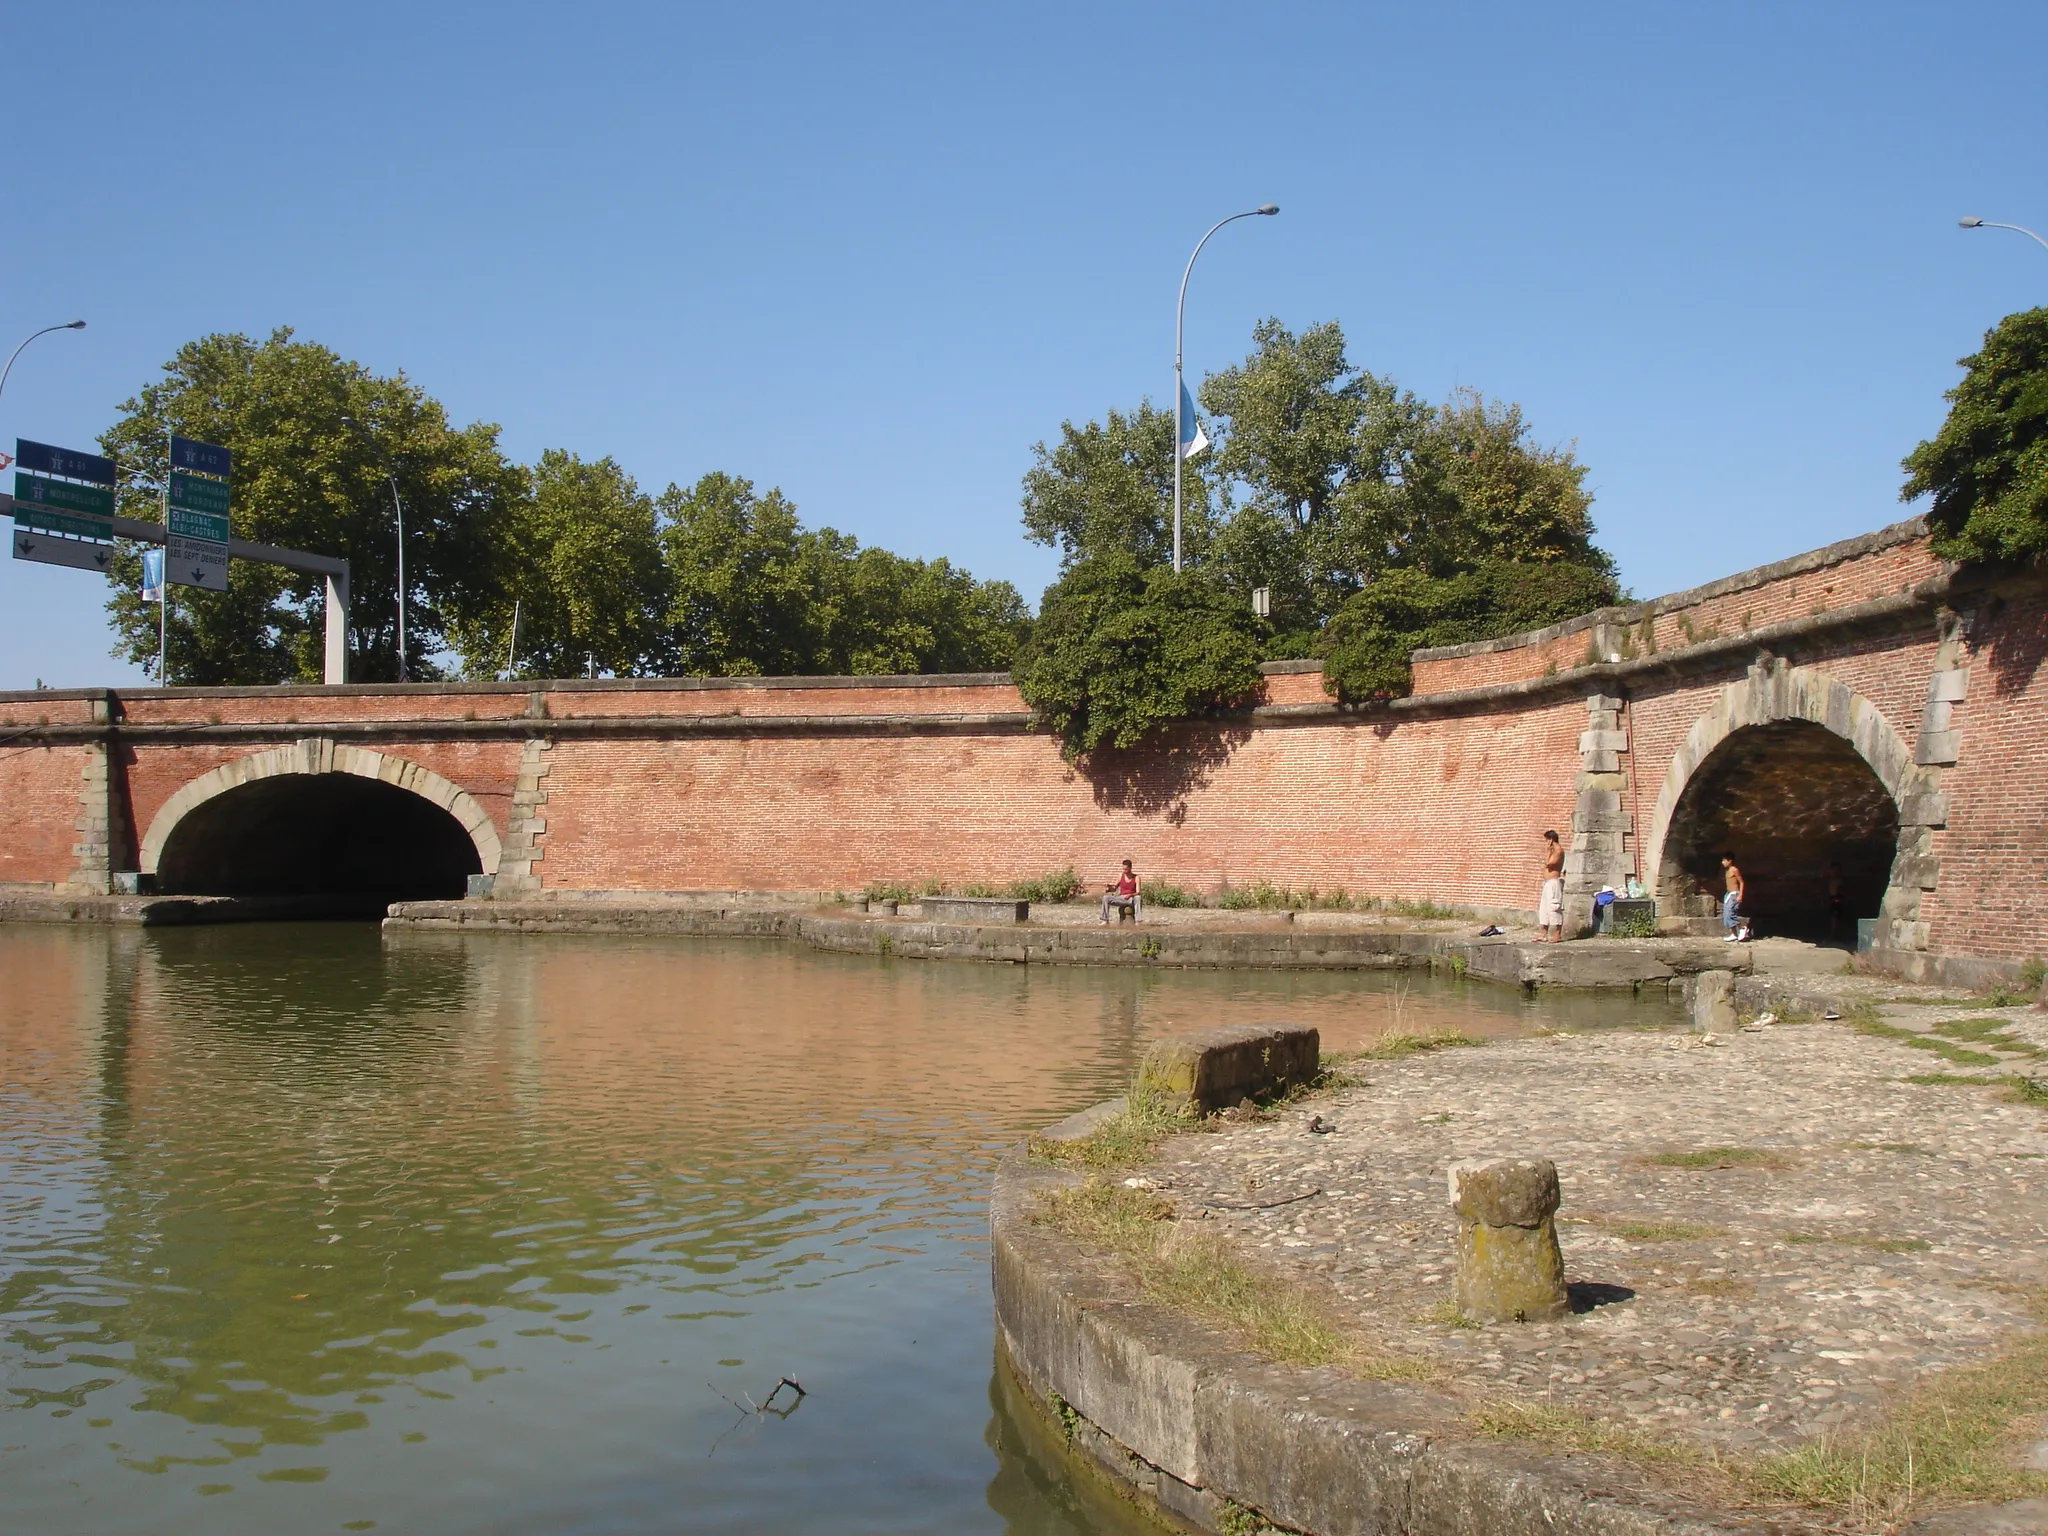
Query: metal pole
{"x": 512, "y": 650}
{"x": 399, "y": 507}
{"x": 1179, "y": 328}
{"x": 68, "y": 325}
{"x": 163, "y": 591}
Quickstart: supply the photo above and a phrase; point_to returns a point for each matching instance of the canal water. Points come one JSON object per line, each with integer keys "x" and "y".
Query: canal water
{"x": 311, "y": 1228}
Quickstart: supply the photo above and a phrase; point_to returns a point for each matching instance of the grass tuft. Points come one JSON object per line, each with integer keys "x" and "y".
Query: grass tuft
{"x": 1721, "y": 1157}
{"x": 1123, "y": 1142}
{"x": 1398, "y": 1043}
{"x": 1550, "y": 1425}
{"x": 1196, "y": 1270}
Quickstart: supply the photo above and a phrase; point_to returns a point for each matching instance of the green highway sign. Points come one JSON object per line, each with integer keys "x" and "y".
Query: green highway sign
{"x": 42, "y": 520}
{"x": 197, "y": 495}
{"x": 199, "y": 525}
{"x": 62, "y": 495}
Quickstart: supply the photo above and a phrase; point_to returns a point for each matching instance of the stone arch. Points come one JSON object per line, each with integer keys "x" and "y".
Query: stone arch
{"x": 1775, "y": 694}
{"x": 314, "y": 756}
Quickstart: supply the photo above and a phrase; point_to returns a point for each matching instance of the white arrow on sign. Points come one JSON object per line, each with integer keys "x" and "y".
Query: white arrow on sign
{"x": 76, "y": 553}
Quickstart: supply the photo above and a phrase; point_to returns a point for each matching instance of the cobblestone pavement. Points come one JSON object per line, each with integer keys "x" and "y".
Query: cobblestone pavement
{"x": 1867, "y": 1231}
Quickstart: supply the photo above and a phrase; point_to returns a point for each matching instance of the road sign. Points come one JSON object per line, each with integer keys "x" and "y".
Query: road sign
{"x": 41, "y": 520}
{"x": 196, "y": 563}
{"x": 197, "y": 495}
{"x": 199, "y": 525}
{"x": 30, "y": 544}
{"x": 62, "y": 495}
{"x": 62, "y": 461}
{"x": 203, "y": 457}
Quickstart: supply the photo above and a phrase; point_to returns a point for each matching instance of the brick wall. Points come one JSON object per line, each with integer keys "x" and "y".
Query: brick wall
{"x": 1992, "y": 899}
{"x": 1443, "y": 802}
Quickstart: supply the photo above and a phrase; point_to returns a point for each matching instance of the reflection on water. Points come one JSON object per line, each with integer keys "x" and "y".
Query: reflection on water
{"x": 302, "y": 1227}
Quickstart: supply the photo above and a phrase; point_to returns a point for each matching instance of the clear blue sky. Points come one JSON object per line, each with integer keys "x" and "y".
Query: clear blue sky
{"x": 872, "y": 254}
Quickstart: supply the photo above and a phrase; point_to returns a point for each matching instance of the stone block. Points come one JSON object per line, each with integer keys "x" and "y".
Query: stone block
{"x": 1938, "y": 748}
{"x": 1917, "y": 872}
{"x": 1924, "y": 808}
{"x": 1510, "y": 1269}
{"x": 1613, "y": 782}
{"x": 1951, "y": 687}
{"x": 1603, "y": 741}
{"x": 1218, "y": 1068}
{"x": 1601, "y": 762}
{"x": 1597, "y": 802}
{"x": 975, "y": 909}
{"x": 1713, "y": 1001}
{"x": 1598, "y": 703}
{"x": 1939, "y": 715}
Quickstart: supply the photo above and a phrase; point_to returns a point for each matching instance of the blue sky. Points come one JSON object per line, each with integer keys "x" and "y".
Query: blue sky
{"x": 872, "y": 254}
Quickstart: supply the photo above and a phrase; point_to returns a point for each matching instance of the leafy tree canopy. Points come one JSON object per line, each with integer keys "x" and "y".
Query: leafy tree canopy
{"x": 580, "y": 561}
{"x": 1122, "y": 650}
{"x": 317, "y": 443}
{"x": 1987, "y": 468}
{"x": 1342, "y": 495}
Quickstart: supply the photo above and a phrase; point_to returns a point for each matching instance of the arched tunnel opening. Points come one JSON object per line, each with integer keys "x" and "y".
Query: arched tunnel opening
{"x": 322, "y": 834}
{"x": 1797, "y": 807}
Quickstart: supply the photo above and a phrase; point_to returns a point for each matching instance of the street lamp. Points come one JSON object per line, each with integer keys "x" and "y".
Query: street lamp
{"x": 68, "y": 325}
{"x": 398, "y": 507}
{"x": 1179, "y": 390}
{"x": 1990, "y": 224}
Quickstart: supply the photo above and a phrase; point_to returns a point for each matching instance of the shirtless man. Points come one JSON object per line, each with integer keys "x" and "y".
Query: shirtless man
{"x": 1550, "y": 905}
{"x": 1731, "y": 901}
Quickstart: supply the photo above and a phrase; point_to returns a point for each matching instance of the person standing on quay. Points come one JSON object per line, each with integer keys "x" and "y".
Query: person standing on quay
{"x": 1731, "y": 901}
{"x": 1550, "y": 906}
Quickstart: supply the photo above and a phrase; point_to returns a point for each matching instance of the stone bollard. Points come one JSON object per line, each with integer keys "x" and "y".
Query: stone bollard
{"x": 1213, "y": 1070}
{"x": 1509, "y": 1266}
{"x": 1713, "y": 1001}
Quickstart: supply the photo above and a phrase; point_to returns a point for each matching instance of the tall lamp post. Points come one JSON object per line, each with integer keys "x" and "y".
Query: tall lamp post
{"x": 68, "y": 325}
{"x": 398, "y": 509}
{"x": 1180, "y": 393}
{"x": 1991, "y": 224}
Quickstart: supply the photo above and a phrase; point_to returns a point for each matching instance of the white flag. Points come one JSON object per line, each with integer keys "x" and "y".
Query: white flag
{"x": 1192, "y": 438}
{"x": 152, "y": 575}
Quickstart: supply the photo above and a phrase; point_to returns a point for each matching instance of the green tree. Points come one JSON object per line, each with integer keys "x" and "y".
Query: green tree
{"x": 1987, "y": 469}
{"x": 1122, "y": 651}
{"x": 1366, "y": 645}
{"x": 1108, "y": 487}
{"x": 881, "y": 613}
{"x": 754, "y": 592}
{"x": 581, "y": 559}
{"x": 317, "y": 441}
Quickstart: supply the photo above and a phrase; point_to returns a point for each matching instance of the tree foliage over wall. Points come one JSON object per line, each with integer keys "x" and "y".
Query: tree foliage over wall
{"x": 711, "y": 580}
{"x": 1377, "y": 523}
{"x": 1987, "y": 468}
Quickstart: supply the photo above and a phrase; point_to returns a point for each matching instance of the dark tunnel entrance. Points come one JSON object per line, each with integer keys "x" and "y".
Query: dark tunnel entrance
{"x": 1788, "y": 800}
{"x": 324, "y": 834}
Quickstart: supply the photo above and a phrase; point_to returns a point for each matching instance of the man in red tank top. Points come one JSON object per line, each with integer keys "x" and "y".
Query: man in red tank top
{"x": 1123, "y": 894}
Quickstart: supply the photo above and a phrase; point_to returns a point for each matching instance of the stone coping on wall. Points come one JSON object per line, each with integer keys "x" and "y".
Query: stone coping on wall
{"x": 1758, "y": 576}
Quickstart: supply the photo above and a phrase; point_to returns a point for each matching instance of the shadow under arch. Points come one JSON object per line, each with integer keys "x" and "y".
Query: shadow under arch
{"x": 316, "y": 818}
{"x": 1791, "y": 771}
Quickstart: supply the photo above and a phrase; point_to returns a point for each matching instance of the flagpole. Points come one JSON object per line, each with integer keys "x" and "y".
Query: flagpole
{"x": 1179, "y": 388}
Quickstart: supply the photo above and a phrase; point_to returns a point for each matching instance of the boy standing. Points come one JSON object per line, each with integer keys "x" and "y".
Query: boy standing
{"x": 1550, "y": 905}
{"x": 1731, "y": 901}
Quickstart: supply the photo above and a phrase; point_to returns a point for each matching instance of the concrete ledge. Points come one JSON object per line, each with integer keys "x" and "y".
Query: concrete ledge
{"x": 181, "y": 911}
{"x": 1204, "y": 1432}
{"x": 974, "y": 909}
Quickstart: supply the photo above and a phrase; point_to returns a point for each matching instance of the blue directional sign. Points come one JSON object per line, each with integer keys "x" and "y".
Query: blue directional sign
{"x": 63, "y": 461}
{"x": 202, "y": 458}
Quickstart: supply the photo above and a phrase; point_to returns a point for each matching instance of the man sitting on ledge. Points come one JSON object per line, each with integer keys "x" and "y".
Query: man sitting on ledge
{"x": 1123, "y": 895}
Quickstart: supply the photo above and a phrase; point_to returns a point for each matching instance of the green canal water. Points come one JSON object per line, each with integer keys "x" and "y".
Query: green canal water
{"x": 308, "y": 1228}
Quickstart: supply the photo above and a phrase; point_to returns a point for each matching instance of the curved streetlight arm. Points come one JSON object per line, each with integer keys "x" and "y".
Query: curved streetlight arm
{"x": 1993, "y": 224}
{"x": 68, "y": 325}
{"x": 1179, "y": 392}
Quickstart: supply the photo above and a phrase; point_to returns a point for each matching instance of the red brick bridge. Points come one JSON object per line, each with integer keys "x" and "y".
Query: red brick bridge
{"x": 1865, "y": 706}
